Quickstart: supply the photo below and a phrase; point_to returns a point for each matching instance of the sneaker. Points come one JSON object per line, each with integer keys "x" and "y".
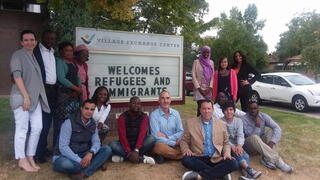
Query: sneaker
{"x": 116, "y": 159}
{"x": 267, "y": 164}
{"x": 247, "y": 177}
{"x": 227, "y": 177}
{"x": 148, "y": 160}
{"x": 253, "y": 173}
{"x": 284, "y": 167}
{"x": 159, "y": 159}
{"x": 190, "y": 175}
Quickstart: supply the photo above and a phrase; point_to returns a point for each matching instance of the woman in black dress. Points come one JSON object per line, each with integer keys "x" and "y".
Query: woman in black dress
{"x": 243, "y": 69}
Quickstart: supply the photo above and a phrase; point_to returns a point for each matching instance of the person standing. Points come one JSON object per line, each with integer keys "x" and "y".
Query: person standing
{"x": 44, "y": 54}
{"x": 81, "y": 55}
{"x": 225, "y": 80}
{"x": 202, "y": 76}
{"x": 27, "y": 100}
{"x": 243, "y": 69}
{"x": 69, "y": 89}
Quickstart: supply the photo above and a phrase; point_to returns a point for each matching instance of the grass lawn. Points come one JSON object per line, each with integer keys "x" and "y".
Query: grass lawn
{"x": 299, "y": 147}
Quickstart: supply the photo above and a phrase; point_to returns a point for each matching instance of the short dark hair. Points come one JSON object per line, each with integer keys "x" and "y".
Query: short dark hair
{"x": 227, "y": 105}
{"x": 203, "y": 101}
{"x": 26, "y": 32}
{"x": 90, "y": 101}
{"x": 47, "y": 31}
{"x": 252, "y": 102}
{"x": 132, "y": 98}
{"x": 95, "y": 95}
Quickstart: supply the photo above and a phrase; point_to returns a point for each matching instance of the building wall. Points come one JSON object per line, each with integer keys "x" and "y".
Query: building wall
{"x": 11, "y": 24}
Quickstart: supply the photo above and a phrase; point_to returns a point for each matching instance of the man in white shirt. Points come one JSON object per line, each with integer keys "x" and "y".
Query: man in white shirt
{"x": 44, "y": 54}
{"x": 221, "y": 100}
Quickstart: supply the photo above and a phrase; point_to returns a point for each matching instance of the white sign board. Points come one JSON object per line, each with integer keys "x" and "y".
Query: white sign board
{"x": 133, "y": 64}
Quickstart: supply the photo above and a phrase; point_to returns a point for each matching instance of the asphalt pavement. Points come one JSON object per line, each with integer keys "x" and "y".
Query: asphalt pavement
{"x": 311, "y": 112}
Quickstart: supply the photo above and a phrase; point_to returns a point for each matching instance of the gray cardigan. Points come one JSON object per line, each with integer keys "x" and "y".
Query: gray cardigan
{"x": 25, "y": 66}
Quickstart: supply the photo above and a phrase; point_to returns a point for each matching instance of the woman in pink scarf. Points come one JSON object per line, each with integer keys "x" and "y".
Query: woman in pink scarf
{"x": 202, "y": 75}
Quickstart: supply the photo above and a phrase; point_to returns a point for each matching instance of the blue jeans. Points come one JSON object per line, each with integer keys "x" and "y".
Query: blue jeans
{"x": 65, "y": 165}
{"x": 117, "y": 148}
{"x": 243, "y": 158}
{"x": 208, "y": 169}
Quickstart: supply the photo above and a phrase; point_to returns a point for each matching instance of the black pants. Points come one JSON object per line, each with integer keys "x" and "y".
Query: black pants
{"x": 244, "y": 94}
{"x": 47, "y": 119}
{"x": 207, "y": 169}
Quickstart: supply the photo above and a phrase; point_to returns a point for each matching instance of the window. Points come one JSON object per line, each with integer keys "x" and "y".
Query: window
{"x": 266, "y": 79}
{"x": 280, "y": 81}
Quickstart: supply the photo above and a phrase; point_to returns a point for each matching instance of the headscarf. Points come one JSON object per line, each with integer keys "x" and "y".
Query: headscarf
{"x": 205, "y": 63}
{"x": 80, "y": 48}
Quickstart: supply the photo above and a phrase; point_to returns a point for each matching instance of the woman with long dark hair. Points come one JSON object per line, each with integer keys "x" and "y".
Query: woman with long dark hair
{"x": 69, "y": 87}
{"x": 243, "y": 69}
{"x": 101, "y": 97}
{"x": 225, "y": 80}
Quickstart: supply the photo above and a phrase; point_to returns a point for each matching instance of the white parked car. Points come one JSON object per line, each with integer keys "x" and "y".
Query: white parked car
{"x": 287, "y": 87}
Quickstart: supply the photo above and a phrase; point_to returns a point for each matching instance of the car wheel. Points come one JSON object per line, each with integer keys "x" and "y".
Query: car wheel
{"x": 255, "y": 97}
{"x": 300, "y": 103}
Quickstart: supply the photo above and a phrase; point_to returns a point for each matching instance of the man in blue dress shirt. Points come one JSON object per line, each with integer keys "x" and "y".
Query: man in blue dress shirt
{"x": 166, "y": 127}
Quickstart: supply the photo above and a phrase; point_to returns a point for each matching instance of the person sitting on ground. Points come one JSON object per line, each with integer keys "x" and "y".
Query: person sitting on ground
{"x": 133, "y": 142}
{"x": 205, "y": 146}
{"x": 101, "y": 97}
{"x": 259, "y": 141}
{"x": 221, "y": 100}
{"x": 236, "y": 141}
{"x": 166, "y": 127}
{"x": 78, "y": 151}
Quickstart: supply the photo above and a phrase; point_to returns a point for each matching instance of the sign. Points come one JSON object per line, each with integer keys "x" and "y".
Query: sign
{"x": 133, "y": 64}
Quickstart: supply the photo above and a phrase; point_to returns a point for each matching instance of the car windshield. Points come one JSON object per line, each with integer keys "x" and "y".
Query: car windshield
{"x": 300, "y": 80}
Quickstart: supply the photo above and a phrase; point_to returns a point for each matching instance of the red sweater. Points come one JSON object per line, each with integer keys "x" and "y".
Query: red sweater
{"x": 233, "y": 85}
{"x": 144, "y": 125}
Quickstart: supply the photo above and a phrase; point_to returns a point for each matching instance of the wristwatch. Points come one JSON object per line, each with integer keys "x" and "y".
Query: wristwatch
{"x": 136, "y": 149}
{"x": 91, "y": 151}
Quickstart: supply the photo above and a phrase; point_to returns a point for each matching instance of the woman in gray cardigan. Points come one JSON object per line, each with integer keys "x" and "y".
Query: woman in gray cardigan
{"x": 27, "y": 100}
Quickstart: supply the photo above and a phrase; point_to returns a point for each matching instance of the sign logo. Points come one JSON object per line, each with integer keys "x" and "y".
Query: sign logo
{"x": 87, "y": 39}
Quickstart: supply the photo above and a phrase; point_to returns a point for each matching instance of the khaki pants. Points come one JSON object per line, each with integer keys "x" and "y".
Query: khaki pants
{"x": 258, "y": 145}
{"x": 167, "y": 151}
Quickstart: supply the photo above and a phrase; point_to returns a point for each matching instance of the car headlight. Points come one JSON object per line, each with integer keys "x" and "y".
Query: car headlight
{"x": 313, "y": 93}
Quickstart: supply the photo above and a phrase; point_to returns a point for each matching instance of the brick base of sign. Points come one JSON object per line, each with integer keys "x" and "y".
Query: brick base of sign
{"x": 116, "y": 112}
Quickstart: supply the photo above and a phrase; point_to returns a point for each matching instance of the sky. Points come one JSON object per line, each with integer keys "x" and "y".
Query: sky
{"x": 277, "y": 14}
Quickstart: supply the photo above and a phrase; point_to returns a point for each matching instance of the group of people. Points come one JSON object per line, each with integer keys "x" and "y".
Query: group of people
{"x": 48, "y": 89}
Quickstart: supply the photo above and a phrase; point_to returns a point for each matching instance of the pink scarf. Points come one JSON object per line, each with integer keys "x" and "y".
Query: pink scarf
{"x": 205, "y": 64}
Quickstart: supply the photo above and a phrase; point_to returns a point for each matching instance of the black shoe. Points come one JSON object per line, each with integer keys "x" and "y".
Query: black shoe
{"x": 48, "y": 153}
{"x": 159, "y": 159}
{"x": 40, "y": 159}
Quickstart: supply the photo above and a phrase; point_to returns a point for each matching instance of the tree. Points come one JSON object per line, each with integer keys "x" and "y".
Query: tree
{"x": 311, "y": 55}
{"x": 301, "y": 34}
{"x": 241, "y": 33}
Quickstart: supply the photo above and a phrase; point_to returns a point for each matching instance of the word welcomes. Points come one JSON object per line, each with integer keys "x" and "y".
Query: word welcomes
{"x": 133, "y": 64}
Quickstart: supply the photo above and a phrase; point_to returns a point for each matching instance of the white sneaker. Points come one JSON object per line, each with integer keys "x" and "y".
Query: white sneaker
{"x": 116, "y": 159}
{"x": 227, "y": 177}
{"x": 148, "y": 160}
{"x": 284, "y": 167}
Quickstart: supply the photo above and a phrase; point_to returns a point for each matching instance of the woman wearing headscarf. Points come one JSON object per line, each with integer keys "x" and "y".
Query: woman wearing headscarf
{"x": 202, "y": 75}
{"x": 81, "y": 55}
